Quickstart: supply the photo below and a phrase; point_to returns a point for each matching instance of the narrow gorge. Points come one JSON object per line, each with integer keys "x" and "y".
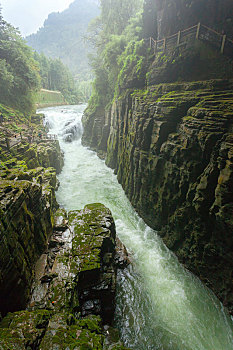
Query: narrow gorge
{"x": 116, "y": 211}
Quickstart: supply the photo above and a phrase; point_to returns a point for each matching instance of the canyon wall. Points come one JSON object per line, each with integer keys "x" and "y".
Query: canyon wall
{"x": 171, "y": 147}
{"x": 27, "y": 203}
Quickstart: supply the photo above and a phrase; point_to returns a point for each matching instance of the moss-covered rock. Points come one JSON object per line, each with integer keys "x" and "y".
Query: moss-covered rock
{"x": 23, "y": 330}
{"x": 27, "y": 202}
{"x": 84, "y": 334}
{"x": 79, "y": 273}
{"x": 74, "y": 288}
{"x": 94, "y": 246}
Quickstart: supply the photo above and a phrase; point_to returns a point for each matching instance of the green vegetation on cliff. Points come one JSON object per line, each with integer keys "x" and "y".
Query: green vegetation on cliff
{"x": 27, "y": 185}
{"x": 78, "y": 277}
{"x": 23, "y": 73}
{"x": 112, "y": 32}
{"x": 64, "y": 35}
{"x": 124, "y": 60}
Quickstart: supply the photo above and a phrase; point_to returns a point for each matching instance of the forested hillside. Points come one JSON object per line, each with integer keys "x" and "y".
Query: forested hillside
{"x": 23, "y": 73}
{"x": 19, "y": 75}
{"x": 54, "y": 75}
{"x": 63, "y": 36}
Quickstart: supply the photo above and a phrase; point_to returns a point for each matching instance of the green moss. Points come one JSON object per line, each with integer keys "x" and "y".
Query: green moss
{"x": 92, "y": 323}
{"x": 22, "y": 328}
{"x": 11, "y": 340}
{"x": 75, "y": 336}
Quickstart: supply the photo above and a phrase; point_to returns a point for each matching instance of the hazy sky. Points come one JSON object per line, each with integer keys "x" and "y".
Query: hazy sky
{"x": 29, "y": 15}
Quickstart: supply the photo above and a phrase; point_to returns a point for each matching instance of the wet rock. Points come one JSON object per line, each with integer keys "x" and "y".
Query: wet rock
{"x": 122, "y": 258}
{"x": 84, "y": 334}
{"x": 112, "y": 339}
{"x": 48, "y": 278}
{"x": 72, "y": 132}
{"x": 94, "y": 245}
{"x": 23, "y": 330}
{"x": 60, "y": 220}
{"x": 80, "y": 273}
{"x": 68, "y": 138}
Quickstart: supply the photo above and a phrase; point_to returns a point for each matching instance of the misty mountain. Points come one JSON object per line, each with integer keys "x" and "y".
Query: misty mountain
{"x": 63, "y": 36}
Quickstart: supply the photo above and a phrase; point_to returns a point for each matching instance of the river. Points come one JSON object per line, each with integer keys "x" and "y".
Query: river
{"x": 160, "y": 305}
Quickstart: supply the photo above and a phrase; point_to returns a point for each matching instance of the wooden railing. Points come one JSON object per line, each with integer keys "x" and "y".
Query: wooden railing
{"x": 219, "y": 41}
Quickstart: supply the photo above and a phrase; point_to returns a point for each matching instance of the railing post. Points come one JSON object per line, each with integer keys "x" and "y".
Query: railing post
{"x": 178, "y": 38}
{"x": 150, "y": 42}
{"x": 164, "y": 44}
{"x": 198, "y": 30}
{"x": 155, "y": 47}
{"x": 223, "y": 43}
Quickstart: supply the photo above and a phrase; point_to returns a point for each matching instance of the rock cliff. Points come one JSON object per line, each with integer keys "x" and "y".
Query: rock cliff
{"x": 171, "y": 147}
{"x": 60, "y": 266}
{"x": 27, "y": 202}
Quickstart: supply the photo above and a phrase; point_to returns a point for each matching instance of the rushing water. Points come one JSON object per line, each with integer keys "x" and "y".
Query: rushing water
{"x": 160, "y": 305}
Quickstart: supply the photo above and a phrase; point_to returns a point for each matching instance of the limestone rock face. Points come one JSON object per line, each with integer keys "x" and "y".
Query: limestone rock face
{"x": 43, "y": 153}
{"x": 74, "y": 288}
{"x": 96, "y": 130}
{"x": 94, "y": 245}
{"x": 27, "y": 201}
{"x": 171, "y": 147}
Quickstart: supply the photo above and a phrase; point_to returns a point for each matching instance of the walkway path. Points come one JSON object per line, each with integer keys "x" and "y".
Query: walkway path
{"x": 217, "y": 40}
